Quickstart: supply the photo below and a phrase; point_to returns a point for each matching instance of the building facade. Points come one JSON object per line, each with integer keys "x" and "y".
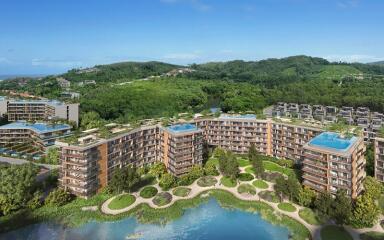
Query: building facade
{"x": 333, "y": 163}
{"x": 38, "y": 110}
{"x": 379, "y": 158}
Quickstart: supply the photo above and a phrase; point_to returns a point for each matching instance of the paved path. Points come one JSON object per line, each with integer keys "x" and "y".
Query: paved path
{"x": 196, "y": 190}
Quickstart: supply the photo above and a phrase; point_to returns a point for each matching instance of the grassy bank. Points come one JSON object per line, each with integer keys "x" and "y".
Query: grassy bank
{"x": 72, "y": 215}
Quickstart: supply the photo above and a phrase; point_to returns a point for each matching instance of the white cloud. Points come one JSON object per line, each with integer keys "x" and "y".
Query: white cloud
{"x": 196, "y": 4}
{"x": 348, "y": 3}
{"x": 354, "y": 58}
{"x": 56, "y": 63}
{"x": 181, "y": 56}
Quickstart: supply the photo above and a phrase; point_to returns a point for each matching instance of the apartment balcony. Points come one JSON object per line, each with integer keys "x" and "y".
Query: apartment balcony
{"x": 314, "y": 186}
{"x": 320, "y": 180}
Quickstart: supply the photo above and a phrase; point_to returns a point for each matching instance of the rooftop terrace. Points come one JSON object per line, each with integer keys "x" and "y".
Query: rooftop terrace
{"x": 37, "y": 127}
{"x": 333, "y": 141}
{"x": 180, "y": 128}
{"x": 244, "y": 116}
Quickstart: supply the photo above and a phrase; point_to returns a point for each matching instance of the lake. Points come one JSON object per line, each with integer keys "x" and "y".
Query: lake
{"x": 208, "y": 221}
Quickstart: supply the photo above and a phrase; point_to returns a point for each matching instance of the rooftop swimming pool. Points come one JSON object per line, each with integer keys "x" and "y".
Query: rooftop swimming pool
{"x": 182, "y": 128}
{"x": 244, "y": 116}
{"x": 333, "y": 141}
{"x": 37, "y": 127}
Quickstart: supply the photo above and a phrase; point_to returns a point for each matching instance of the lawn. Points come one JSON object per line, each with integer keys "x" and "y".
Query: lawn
{"x": 246, "y": 188}
{"x": 274, "y": 167}
{"x": 260, "y": 184}
{"x": 245, "y": 177}
{"x": 286, "y": 207}
{"x": 206, "y": 181}
{"x": 148, "y": 192}
{"x": 243, "y": 162}
{"x": 334, "y": 232}
{"x": 228, "y": 182}
{"x": 122, "y": 201}
{"x": 213, "y": 161}
{"x": 372, "y": 236}
{"x": 269, "y": 196}
{"x": 181, "y": 191}
{"x": 162, "y": 199}
{"x": 249, "y": 170}
{"x": 311, "y": 217}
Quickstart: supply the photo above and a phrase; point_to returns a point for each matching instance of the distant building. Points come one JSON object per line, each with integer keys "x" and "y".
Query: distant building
{"x": 64, "y": 83}
{"x": 72, "y": 95}
{"x": 38, "y": 110}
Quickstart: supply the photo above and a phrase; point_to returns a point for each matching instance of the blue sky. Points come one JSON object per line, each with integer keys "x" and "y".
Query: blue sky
{"x": 52, "y": 36}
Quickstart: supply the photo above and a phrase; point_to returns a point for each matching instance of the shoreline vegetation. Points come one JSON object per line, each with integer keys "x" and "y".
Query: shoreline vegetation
{"x": 71, "y": 214}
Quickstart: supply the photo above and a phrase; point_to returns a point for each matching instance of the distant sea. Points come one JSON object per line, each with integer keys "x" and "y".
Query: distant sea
{"x": 3, "y": 77}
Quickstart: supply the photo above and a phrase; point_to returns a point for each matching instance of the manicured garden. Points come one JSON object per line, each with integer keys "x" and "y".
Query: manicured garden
{"x": 148, "y": 192}
{"x": 245, "y": 177}
{"x": 269, "y": 196}
{"x": 206, "y": 181}
{"x": 122, "y": 201}
{"x": 260, "y": 184}
{"x": 286, "y": 207}
{"x": 162, "y": 199}
{"x": 246, "y": 188}
{"x": 181, "y": 191}
{"x": 334, "y": 232}
{"x": 228, "y": 182}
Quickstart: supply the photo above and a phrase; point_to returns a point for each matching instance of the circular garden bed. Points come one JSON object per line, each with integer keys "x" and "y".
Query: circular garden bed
{"x": 181, "y": 191}
{"x": 260, "y": 184}
{"x": 122, "y": 201}
{"x": 271, "y": 176}
{"x": 162, "y": 199}
{"x": 228, "y": 182}
{"x": 246, "y": 188}
{"x": 269, "y": 196}
{"x": 206, "y": 181}
{"x": 148, "y": 192}
{"x": 286, "y": 207}
{"x": 245, "y": 177}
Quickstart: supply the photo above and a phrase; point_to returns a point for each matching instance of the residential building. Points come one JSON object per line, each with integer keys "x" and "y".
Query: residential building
{"x": 38, "y": 110}
{"x": 38, "y": 135}
{"x": 87, "y": 164}
{"x": 332, "y": 163}
{"x": 379, "y": 158}
{"x": 305, "y": 111}
{"x": 63, "y": 83}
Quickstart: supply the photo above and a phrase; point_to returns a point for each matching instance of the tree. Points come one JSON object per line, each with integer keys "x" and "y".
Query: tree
{"x": 58, "y": 197}
{"x": 52, "y": 156}
{"x": 365, "y": 212}
{"x": 256, "y": 161}
{"x": 123, "y": 179}
{"x": 91, "y": 120}
{"x": 17, "y": 183}
{"x": 228, "y": 165}
{"x": 306, "y": 196}
{"x": 167, "y": 181}
{"x": 370, "y": 157}
{"x": 323, "y": 203}
{"x": 373, "y": 188}
{"x": 35, "y": 202}
{"x": 210, "y": 170}
{"x": 196, "y": 172}
{"x": 289, "y": 187}
{"x": 342, "y": 208}
{"x": 158, "y": 169}
{"x": 280, "y": 186}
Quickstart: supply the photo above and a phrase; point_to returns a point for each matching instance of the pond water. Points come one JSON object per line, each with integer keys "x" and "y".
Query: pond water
{"x": 208, "y": 221}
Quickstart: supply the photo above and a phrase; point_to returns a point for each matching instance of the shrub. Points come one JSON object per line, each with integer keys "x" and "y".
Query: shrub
{"x": 245, "y": 177}
{"x": 206, "y": 181}
{"x": 35, "y": 202}
{"x": 58, "y": 197}
{"x": 167, "y": 181}
{"x": 181, "y": 191}
{"x": 228, "y": 182}
{"x": 148, "y": 192}
{"x": 211, "y": 170}
{"x": 269, "y": 196}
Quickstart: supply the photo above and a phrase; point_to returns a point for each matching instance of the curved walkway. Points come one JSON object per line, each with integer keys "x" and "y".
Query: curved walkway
{"x": 196, "y": 190}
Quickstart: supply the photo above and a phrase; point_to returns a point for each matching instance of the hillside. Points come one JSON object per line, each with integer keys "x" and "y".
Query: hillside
{"x": 380, "y": 63}
{"x": 119, "y": 92}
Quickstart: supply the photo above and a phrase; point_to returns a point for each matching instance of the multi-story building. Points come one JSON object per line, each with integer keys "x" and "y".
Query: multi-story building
{"x": 305, "y": 111}
{"x": 38, "y": 110}
{"x": 318, "y": 112}
{"x": 88, "y": 164}
{"x": 332, "y": 163}
{"x": 379, "y": 158}
{"x": 237, "y": 132}
{"x": 37, "y": 135}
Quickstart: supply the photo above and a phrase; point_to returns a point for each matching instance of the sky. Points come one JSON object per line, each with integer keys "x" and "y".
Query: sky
{"x": 53, "y": 36}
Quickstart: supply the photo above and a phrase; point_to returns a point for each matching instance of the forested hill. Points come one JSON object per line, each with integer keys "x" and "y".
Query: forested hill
{"x": 118, "y": 91}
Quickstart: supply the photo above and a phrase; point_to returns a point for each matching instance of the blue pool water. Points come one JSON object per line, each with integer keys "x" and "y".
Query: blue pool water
{"x": 244, "y": 116}
{"x": 208, "y": 221}
{"x": 37, "y": 127}
{"x": 332, "y": 140}
{"x": 182, "y": 128}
